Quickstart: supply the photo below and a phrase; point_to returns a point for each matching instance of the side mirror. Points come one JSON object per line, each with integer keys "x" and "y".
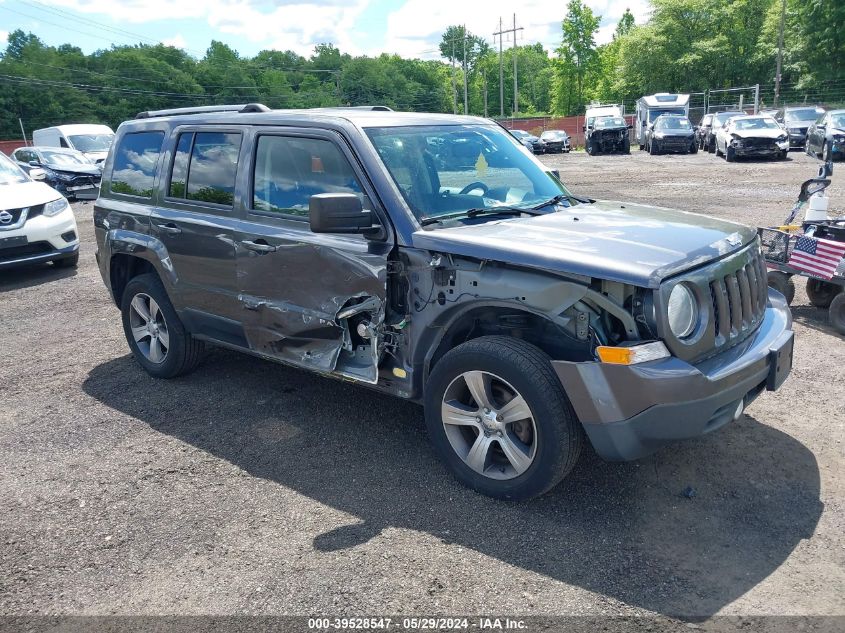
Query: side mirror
{"x": 339, "y": 213}
{"x": 630, "y": 126}
{"x": 34, "y": 163}
{"x": 37, "y": 174}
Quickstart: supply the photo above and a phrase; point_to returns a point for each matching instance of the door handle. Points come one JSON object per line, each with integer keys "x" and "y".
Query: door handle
{"x": 168, "y": 227}
{"x": 259, "y": 246}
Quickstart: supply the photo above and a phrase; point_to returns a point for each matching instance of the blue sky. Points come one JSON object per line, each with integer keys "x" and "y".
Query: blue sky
{"x": 411, "y": 28}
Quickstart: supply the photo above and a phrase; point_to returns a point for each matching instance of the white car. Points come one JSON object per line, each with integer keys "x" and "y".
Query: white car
{"x": 751, "y": 135}
{"x": 36, "y": 221}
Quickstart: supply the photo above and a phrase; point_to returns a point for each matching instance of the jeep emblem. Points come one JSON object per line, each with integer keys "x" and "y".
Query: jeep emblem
{"x": 5, "y": 217}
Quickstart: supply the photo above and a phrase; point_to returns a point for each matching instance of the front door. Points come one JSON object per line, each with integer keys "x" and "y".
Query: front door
{"x": 314, "y": 300}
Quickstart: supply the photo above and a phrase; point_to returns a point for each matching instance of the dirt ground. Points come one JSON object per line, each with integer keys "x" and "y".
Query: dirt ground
{"x": 252, "y": 488}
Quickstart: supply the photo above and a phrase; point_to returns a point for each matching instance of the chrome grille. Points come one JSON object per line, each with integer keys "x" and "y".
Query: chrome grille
{"x": 739, "y": 301}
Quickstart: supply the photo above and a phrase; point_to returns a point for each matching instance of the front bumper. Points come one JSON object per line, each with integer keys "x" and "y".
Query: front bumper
{"x": 631, "y": 411}
{"x": 797, "y": 138}
{"x": 773, "y": 148}
{"x": 40, "y": 239}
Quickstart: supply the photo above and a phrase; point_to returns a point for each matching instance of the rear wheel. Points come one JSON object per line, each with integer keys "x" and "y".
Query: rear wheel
{"x": 807, "y": 147}
{"x": 156, "y": 336}
{"x": 821, "y": 293}
{"x": 499, "y": 419}
{"x": 783, "y": 283}
{"x": 836, "y": 313}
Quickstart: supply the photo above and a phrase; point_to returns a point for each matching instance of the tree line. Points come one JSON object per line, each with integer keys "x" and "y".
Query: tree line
{"x": 686, "y": 45}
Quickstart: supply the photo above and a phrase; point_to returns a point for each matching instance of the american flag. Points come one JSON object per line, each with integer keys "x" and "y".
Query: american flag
{"x": 817, "y": 256}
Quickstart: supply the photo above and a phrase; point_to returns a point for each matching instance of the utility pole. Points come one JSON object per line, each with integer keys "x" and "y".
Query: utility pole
{"x": 501, "y": 73}
{"x": 515, "y": 84}
{"x": 466, "y": 93}
{"x": 22, "y": 132}
{"x": 454, "y": 87}
{"x": 501, "y": 33}
{"x": 780, "y": 51}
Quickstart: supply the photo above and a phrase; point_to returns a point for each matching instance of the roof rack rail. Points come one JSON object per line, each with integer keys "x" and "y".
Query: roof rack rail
{"x": 374, "y": 108}
{"x": 242, "y": 108}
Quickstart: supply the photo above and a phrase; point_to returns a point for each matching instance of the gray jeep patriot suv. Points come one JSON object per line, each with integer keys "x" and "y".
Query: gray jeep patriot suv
{"x": 431, "y": 257}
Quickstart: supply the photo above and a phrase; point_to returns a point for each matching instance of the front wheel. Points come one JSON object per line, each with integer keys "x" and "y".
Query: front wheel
{"x": 156, "y": 336}
{"x": 653, "y": 149}
{"x": 836, "y": 313}
{"x": 783, "y": 283}
{"x": 730, "y": 154}
{"x": 67, "y": 262}
{"x": 499, "y": 419}
{"x": 827, "y": 153}
{"x": 821, "y": 293}
{"x": 693, "y": 149}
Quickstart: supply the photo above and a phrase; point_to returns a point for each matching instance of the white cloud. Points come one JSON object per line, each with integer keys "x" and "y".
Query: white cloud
{"x": 416, "y": 27}
{"x": 4, "y": 37}
{"x": 177, "y": 41}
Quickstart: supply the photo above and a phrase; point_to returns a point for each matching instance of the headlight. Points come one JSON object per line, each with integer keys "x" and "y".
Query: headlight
{"x": 839, "y": 138}
{"x": 783, "y": 137}
{"x": 682, "y": 311}
{"x": 659, "y": 135}
{"x": 55, "y": 207}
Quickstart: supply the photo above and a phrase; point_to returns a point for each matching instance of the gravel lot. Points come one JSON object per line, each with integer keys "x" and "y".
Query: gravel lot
{"x": 252, "y": 488}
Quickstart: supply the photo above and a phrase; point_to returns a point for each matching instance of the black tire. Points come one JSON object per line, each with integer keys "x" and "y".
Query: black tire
{"x": 588, "y": 147}
{"x": 626, "y": 148}
{"x": 730, "y": 154}
{"x": 836, "y": 313}
{"x": 717, "y": 151}
{"x": 653, "y": 149}
{"x": 184, "y": 351}
{"x": 821, "y": 293}
{"x": 827, "y": 153}
{"x": 67, "y": 262}
{"x": 783, "y": 283}
{"x": 782, "y": 155}
{"x": 711, "y": 145}
{"x": 559, "y": 435}
{"x": 693, "y": 149}
{"x": 807, "y": 147}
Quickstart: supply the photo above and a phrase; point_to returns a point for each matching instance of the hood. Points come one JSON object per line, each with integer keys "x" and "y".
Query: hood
{"x": 771, "y": 133}
{"x": 26, "y": 194}
{"x": 97, "y": 156}
{"x": 629, "y": 243}
{"x": 88, "y": 170}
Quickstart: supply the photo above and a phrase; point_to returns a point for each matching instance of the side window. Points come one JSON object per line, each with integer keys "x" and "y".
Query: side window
{"x": 289, "y": 170}
{"x": 211, "y": 172}
{"x": 62, "y": 142}
{"x": 179, "y": 175}
{"x": 135, "y": 163}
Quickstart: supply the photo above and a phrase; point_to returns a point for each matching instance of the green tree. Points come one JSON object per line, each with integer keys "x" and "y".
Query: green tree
{"x": 576, "y": 56}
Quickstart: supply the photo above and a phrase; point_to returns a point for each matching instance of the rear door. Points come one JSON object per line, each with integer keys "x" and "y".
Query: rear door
{"x": 314, "y": 300}
{"x": 197, "y": 223}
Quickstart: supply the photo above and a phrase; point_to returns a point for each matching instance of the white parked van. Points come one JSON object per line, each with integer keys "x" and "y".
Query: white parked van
{"x": 92, "y": 140}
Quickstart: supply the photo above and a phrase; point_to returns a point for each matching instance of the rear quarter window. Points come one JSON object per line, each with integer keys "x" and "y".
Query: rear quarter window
{"x": 135, "y": 160}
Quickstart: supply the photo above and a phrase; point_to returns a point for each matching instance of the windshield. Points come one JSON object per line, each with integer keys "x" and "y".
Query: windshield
{"x": 804, "y": 114}
{"x": 91, "y": 142}
{"x": 610, "y": 121}
{"x": 10, "y": 173}
{"x": 553, "y": 135}
{"x": 653, "y": 114}
{"x": 755, "y": 124}
{"x": 673, "y": 123}
{"x": 448, "y": 170}
{"x": 837, "y": 120}
{"x": 720, "y": 118}
{"x": 520, "y": 133}
{"x": 64, "y": 158}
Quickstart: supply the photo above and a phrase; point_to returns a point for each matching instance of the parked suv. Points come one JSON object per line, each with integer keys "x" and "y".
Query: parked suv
{"x": 36, "y": 222}
{"x": 522, "y": 316}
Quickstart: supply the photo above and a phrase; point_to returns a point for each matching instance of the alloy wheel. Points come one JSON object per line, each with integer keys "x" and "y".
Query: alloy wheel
{"x": 149, "y": 328}
{"x": 489, "y": 425}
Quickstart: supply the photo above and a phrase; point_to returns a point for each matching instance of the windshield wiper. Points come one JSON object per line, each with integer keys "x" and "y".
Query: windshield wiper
{"x": 560, "y": 198}
{"x": 474, "y": 213}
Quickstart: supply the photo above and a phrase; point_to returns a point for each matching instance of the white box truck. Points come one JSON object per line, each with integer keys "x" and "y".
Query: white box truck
{"x": 92, "y": 140}
{"x": 652, "y": 106}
